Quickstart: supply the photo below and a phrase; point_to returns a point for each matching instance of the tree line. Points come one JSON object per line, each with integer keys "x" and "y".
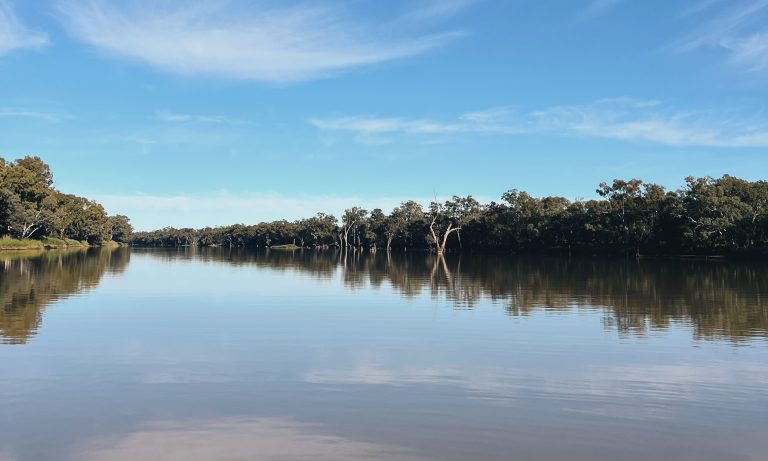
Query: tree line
{"x": 705, "y": 216}
{"x": 31, "y": 208}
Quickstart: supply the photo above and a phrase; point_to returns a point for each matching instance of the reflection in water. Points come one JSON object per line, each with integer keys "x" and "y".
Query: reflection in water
{"x": 237, "y": 439}
{"x": 30, "y": 282}
{"x": 218, "y": 354}
{"x": 719, "y": 299}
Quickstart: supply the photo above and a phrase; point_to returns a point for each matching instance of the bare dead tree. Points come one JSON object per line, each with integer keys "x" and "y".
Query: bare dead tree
{"x": 436, "y": 238}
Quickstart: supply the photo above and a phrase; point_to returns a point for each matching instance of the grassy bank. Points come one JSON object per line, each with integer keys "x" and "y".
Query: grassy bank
{"x": 54, "y": 243}
{"x": 7, "y": 243}
{"x": 51, "y": 242}
{"x": 290, "y": 246}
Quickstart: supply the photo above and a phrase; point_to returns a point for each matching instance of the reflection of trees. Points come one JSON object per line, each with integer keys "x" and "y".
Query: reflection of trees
{"x": 718, "y": 299}
{"x": 30, "y": 283}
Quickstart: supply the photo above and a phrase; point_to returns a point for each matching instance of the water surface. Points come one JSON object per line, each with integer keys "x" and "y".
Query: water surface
{"x": 237, "y": 355}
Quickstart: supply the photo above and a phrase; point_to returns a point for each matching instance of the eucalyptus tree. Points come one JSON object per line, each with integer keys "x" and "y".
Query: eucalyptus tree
{"x": 712, "y": 212}
{"x": 634, "y": 208}
{"x": 352, "y": 218}
{"x": 304, "y": 229}
{"x": 90, "y": 223}
{"x": 406, "y": 221}
{"x": 521, "y": 217}
{"x": 62, "y": 210}
{"x": 120, "y": 229}
{"x": 376, "y": 228}
{"x": 442, "y": 224}
{"x": 465, "y": 211}
{"x": 27, "y": 182}
{"x": 323, "y": 227}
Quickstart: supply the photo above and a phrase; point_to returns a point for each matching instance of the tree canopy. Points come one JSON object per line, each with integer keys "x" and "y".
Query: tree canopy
{"x": 706, "y": 215}
{"x": 30, "y": 207}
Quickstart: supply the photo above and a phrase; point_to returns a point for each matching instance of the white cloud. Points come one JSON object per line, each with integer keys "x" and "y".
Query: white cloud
{"x": 623, "y": 119}
{"x": 15, "y": 112}
{"x": 15, "y": 35}
{"x": 751, "y": 51}
{"x": 375, "y": 130}
{"x": 649, "y": 121}
{"x": 240, "y": 40}
{"x": 172, "y": 117}
{"x": 738, "y": 30}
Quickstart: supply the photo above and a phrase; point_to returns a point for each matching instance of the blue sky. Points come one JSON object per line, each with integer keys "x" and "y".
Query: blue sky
{"x": 203, "y": 112}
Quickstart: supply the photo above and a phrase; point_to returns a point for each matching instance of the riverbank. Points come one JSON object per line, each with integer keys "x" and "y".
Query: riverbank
{"x": 49, "y": 243}
{"x": 290, "y": 246}
{"x": 10, "y": 244}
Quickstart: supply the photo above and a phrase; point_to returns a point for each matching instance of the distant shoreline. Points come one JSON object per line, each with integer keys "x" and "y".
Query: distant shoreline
{"x": 752, "y": 255}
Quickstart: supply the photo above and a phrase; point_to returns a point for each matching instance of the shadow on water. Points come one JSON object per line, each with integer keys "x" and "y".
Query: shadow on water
{"x": 32, "y": 281}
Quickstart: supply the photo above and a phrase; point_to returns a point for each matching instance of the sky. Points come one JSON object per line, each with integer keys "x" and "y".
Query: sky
{"x": 204, "y": 112}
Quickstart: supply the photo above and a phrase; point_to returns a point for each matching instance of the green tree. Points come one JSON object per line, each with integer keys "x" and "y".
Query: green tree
{"x": 120, "y": 228}
{"x": 25, "y": 183}
{"x": 350, "y": 220}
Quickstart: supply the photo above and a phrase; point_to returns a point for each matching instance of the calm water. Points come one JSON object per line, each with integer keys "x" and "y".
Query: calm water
{"x": 217, "y": 355}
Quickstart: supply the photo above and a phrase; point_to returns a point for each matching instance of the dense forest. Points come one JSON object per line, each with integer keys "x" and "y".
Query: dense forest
{"x": 33, "y": 211}
{"x": 705, "y": 216}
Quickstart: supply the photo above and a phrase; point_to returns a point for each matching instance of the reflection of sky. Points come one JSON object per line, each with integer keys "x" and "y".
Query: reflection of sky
{"x": 237, "y": 359}
{"x": 236, "y": 439}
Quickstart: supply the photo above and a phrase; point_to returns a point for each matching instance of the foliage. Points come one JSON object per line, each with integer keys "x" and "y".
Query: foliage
{"x": 706, "y": 216}
{"x": 30, "y": 208}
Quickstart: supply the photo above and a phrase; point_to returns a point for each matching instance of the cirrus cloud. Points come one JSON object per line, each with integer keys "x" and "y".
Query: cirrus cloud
{"x": 14, "y": 34}
{"x": 622, "y": 119}
{"x": 238, "y": 40}
{"x": 736, "y": 28}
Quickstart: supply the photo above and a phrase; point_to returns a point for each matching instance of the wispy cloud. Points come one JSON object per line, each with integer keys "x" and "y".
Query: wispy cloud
{"x": 375, "y": 130}
{"x": 750, "y": 51}
{"x": 427, "y": 10}
{"x": 172, "y": 117}
{"x": 701, "y": 6}
{"x": 14, "y": 34}
{"x": 240, "y": 40}
{"x": 623, "y": 119}
{"x": 15, "y": 112}
{"x": 597, "y": 7}
{"x": 737, "y": 28}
